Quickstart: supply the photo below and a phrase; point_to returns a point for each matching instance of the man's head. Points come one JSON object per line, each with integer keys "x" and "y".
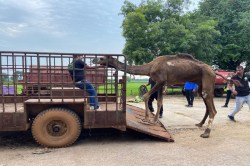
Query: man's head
{"x": 77, "y": 56}
{"x": 239, "y": 70}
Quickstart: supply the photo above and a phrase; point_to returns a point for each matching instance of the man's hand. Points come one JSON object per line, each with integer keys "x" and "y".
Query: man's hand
{"x": 237, "y": 83}
{"x": 235, "y": 92}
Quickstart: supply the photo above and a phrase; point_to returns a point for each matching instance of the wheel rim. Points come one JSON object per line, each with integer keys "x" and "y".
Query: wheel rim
{"x": 57, "y": 128}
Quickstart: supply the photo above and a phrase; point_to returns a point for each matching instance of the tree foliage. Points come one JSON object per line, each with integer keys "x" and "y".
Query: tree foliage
{"x": 157, "y": 27}
{"x": 4, "y": 77}
{"x": 233, "y": 19}
{"x": 216, "y": 33}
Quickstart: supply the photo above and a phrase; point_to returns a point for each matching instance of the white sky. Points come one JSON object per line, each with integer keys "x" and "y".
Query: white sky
{"x": 73, "y": 26}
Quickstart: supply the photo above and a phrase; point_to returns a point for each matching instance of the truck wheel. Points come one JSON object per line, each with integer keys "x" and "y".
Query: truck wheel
{"x": 56, "y": 127}
{"x": 218, "y": 92}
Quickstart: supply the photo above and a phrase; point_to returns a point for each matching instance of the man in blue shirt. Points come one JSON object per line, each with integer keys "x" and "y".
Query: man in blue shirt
{"x": 189, "y": 89}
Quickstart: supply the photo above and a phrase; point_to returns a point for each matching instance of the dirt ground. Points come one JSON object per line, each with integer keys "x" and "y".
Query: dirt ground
{"x": 228, "y": 145}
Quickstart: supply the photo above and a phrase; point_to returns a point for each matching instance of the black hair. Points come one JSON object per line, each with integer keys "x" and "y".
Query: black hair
{"x": 240, "y": 67}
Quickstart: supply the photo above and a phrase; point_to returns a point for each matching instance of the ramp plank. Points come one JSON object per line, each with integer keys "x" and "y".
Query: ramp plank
{"x": 134, "y": 117}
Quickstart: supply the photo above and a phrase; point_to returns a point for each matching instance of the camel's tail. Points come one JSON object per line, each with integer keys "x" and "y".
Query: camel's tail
{"x": 235, "y": 82}
{"x": 221, "y": 76}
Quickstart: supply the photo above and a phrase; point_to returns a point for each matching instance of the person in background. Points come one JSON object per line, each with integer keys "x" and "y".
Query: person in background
{"x": 152, "y": 97}
{"x": 230, "y": 86}
{"x": 241, "y": 91}
{"x": 189, "y": 89}
{"x": 76, "y": 70}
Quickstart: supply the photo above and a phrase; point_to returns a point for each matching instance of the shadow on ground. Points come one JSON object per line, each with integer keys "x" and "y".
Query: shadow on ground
{"x": 13, "y": 140}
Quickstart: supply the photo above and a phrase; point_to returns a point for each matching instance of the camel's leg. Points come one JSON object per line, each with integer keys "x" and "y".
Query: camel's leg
{"x": 204, "y": 119}
{"x": 146, "y": 98}
{"x": 159, "y": 103}
{"x": 211, "y": 112}
{"x": 207, "y": 95}
{"x": 207, "y": 112}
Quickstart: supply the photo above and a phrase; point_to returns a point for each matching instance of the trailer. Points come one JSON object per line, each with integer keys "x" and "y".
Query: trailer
{"x": 37, "y": 93}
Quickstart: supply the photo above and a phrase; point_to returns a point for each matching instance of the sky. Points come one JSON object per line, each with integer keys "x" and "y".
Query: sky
{"x": 71, "y": 26}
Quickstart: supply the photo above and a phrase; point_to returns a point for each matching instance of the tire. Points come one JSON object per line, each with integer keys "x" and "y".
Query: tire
{"x": 56, "y": 127}
{"x": 218, "y": 92}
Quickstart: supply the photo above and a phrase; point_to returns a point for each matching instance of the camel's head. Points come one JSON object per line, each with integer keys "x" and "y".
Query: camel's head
{"x": 104, "y": 61}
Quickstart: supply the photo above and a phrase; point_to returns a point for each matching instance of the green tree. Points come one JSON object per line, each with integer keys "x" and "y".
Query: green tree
{"x": 4, "y": 77}
{"x": 157, "y": 27}
{"x": 205, "y": 46}
{"x": 233, "y": 19}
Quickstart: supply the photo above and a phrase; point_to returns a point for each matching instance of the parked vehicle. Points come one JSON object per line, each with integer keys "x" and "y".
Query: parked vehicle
{"x": 37, "y": 93}
{"x": 220, "y": 83}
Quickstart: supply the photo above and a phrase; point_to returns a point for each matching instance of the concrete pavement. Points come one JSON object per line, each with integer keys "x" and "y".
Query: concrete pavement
{"x": 177, "y": 115}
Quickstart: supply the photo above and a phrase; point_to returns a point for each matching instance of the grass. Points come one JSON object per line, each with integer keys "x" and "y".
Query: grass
{"x": 133, "y": 89}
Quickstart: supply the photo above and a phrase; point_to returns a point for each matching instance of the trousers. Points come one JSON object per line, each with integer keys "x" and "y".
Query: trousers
{"x": 190, "y": 96}
{"x": 240, "y": 100}
{"x": 150, "y": 103}
{"x": 229, "y": 92}
{"x": 93, "y": 101}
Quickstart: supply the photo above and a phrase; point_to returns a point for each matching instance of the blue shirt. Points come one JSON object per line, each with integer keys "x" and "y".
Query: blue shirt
{"x": 190, "y": 86}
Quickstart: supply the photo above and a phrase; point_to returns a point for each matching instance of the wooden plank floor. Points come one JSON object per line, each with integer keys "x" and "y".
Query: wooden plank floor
{"x": 134, "y": 118}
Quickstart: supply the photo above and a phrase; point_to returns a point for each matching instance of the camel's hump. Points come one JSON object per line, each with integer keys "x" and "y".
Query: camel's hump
{"x": 188, "y": 56}
{"x": 185, "y": 56}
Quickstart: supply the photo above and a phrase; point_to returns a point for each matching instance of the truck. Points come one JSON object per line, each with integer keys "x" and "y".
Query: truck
{"x": 38, "y": 94}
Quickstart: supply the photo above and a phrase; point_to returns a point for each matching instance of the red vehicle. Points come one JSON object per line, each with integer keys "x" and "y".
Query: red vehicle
{"x": 220, "y": 83}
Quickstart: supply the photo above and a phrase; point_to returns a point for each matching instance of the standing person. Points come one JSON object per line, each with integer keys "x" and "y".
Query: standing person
{"x": 189, "y": 89}
{"x": 76, "y": 70}
{"x": 230, "y": 86}
{"x": 152, "y": 97}
{"x": 241, "y": 91}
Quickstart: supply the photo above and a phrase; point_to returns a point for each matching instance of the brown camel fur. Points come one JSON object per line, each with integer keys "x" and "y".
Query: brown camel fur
{"x": 171, "y": 70}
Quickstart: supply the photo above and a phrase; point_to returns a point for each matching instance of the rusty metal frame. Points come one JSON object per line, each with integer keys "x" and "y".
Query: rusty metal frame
{"x": 46, "y": 83}
{"x": 42, "y": 72}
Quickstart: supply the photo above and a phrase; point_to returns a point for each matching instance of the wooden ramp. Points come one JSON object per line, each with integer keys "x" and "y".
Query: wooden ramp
{"x": 134, "y": 116}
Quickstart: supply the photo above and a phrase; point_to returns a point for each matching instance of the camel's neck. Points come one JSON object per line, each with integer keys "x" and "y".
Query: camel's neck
{"x": 139, "y": 70}
{"x": 136, "y": 70}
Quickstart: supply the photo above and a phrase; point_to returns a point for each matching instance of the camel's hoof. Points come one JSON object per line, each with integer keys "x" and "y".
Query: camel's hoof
{"x": 145, "y": 120}
{"x": 206, "y": 134}
{"x": 199, "y": 125}
{"x": 154, "y": 122}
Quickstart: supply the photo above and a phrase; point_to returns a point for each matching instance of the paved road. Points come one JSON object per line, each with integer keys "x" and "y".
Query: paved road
{"x": 177, "y": 115}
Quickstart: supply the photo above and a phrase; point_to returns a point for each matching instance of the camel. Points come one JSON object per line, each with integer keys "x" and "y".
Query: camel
{"x": 171, "y": 70}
